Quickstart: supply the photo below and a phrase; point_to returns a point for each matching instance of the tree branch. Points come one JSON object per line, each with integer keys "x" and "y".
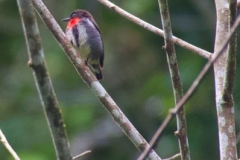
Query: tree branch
{"x": 190, "y": 91}
{"x": 224, "y": 101}
{"x": 91, "y": 81}
{"x": 181, "y": 133}
{"x": 80, "y": 155}
{"x": 43, "y": 81}
{"x": 174, "y": 157}
{"x": 4, "y": 141}
{"x": 155, "y": 30}
{"x": 231, "y": 56}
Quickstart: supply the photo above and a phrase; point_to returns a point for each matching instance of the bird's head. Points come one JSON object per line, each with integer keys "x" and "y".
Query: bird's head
{"x": 76, "y": 17}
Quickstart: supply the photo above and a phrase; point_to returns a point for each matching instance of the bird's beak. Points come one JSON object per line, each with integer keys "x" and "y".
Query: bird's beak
{"x": 66, "y": 19}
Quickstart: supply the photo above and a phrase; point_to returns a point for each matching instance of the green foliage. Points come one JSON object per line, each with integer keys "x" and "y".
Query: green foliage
{"x": 136, "y": 76}
{"x": 78, "y": 116}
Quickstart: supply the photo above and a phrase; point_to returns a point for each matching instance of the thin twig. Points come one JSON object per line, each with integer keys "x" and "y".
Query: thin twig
{"x": 190, "y": 91}
{"x": 181, "y": 132}
{"x": 155, "y": 30}
{"x": 4, "y": 141}
{"x": 91, "y": 81}
{"x": 82, "y": 154}
{"x": 173, "y": 157}
{"x": 42, "y": 79}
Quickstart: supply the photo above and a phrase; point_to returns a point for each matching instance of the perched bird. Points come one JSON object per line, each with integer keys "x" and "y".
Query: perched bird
{"x": 84, "y": 34}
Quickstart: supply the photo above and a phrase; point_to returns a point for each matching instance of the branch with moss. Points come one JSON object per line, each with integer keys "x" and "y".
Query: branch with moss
{"x": 169, "y": 48}
{"x": 91, "y": 81}
{"x": 43, "y": 81}
{"x": 190, "y": 91}
{"x": 155, "y": 30}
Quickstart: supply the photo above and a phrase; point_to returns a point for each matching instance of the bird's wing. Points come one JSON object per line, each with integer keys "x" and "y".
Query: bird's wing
{"x": 96, "y": 26}
{"x": 94, "y": 23}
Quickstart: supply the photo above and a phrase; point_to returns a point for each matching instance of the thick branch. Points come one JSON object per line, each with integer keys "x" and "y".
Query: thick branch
{"x": 155, "y": 30}
{"x": 43, "y": 81}
{"x": 91, "y": 81}
{"x": 224, "y": 101}
{"x": 231, "y": 56}
{"x": 175, "y": 77}
{"x": 190, "y": 91}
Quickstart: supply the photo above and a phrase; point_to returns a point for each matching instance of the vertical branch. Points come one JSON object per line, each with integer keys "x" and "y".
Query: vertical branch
{"x": 90, "y": 80}
{"x": 181, "y": 133}
{"x": 43, "y": 81}
{"x": 224, "y": 106}
{"x": 231, "y": 55}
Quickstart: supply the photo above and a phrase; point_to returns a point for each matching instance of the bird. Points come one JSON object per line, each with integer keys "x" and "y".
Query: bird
{"x": 84, "y": 34}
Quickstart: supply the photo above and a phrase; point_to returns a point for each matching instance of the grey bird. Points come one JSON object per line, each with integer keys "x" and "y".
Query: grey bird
{"x": 84, "y": 34}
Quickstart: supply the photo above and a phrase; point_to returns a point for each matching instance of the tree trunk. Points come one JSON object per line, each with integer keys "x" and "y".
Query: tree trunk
{"x": 224, "y": 106}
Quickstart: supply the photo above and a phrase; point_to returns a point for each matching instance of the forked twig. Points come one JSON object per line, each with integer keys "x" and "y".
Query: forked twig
{"x": 155, "y": 30}
{"x": 169, "y": 47}
{"x": 190, "y": 91}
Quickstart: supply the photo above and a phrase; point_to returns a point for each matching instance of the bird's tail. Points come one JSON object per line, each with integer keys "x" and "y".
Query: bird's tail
{"x": 99, "y": 75}
{"x": 96, "y": 69}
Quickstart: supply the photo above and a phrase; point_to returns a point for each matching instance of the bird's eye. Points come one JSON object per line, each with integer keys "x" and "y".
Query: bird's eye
{"x": 74, "y": 15}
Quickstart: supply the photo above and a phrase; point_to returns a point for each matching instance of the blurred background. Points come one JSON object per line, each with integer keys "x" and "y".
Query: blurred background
{"x": 135, "y": 75}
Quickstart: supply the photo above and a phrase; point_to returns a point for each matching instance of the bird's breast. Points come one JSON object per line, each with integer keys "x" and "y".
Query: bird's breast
{"x": 83, "y": 46}
{"x": 83, "y": 36}
{"x": 79, "y": 38}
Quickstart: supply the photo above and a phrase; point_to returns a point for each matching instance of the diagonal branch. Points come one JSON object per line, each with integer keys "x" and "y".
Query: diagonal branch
{"x": 181, "y": 133}
{"x": 173, "y": 157}
{"x": 190, "y": 91}
{"x": 4, "y": 141}
{"x": 91, "y": 81}
{"x": 155, "y": 30}
{"x": 80, "y": 155}
{"x": 43, "y": 81}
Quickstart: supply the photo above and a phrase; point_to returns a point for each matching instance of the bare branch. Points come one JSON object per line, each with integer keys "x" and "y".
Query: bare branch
{"x": 181, "y": 133}
{"x": 43, "y": 81}
{"x": 4, "y": 141}
{"x": 223, "y": 96}
{"x": 174, "y": 157}
{"x": 190, "y": 91}
{"x": 155, "y": 30}
{"x": 231, "y": 56}
{"x": 82, "y": 154}
{"x": 91, "y": 81}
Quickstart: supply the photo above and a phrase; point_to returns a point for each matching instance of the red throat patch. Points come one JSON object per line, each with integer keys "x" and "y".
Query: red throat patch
{"x": 73, "y": 22}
